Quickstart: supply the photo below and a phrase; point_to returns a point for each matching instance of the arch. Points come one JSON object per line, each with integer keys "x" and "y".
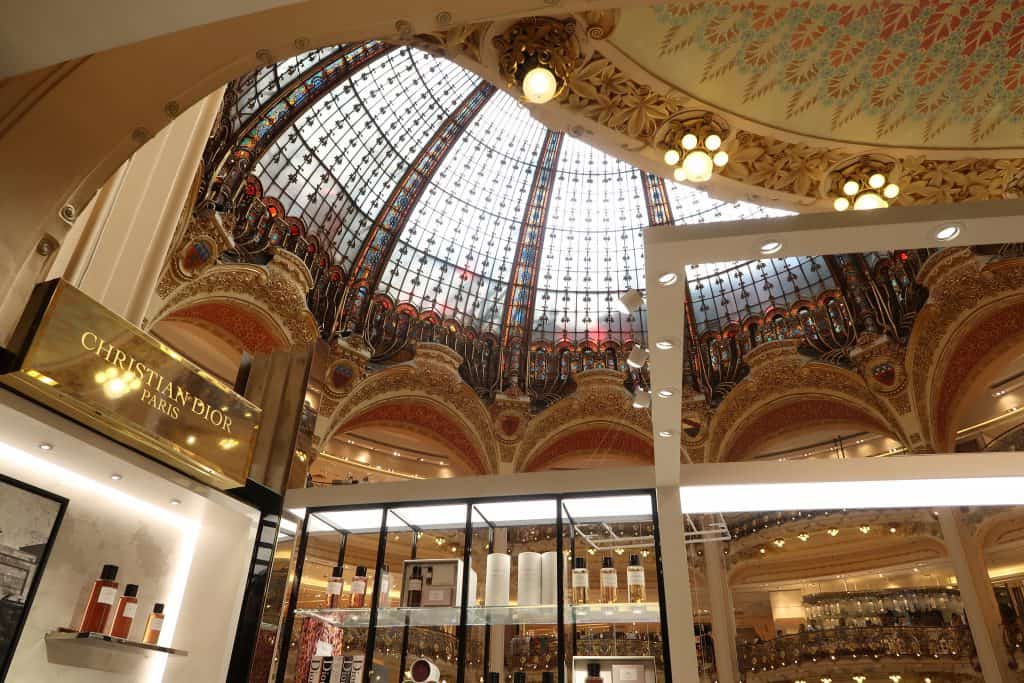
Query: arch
{"x": 430, "y": 379}
{"x": 786, "y": 390}
{"x": 973, "y": 318}
{"x": 422, "y": 415}
{"x": 599, "y": 443}
{"x": 251, "y": 328}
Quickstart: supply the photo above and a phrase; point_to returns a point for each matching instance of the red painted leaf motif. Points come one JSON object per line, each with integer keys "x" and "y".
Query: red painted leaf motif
{"x": 1015, "y": 41}
{"x": 974, "y": 74}
{"x": 983, "y": 29}
{"x": 929, "y": 70}
{"x": 849, "y": 12}
{"x": 806, "y": 34}
{"x": 845, "y": 50}
{"x": 898, "y": 16}
{"x": 944, "y": 20}
{"x": 887, "y": 61}
{"x": 1014, "y": 77}
{"x": 764, "y": 18}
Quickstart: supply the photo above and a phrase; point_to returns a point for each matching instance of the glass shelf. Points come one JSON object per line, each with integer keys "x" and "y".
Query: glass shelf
{"x": 102, "y": 640}
{"x": 391, "y": 617}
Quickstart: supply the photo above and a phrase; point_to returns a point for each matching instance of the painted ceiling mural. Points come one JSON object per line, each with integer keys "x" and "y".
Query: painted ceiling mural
{"x": 904, "y": 73}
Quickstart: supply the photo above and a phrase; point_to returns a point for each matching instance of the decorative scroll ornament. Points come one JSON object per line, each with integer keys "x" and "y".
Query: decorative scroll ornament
{"x": 538, "y": 56}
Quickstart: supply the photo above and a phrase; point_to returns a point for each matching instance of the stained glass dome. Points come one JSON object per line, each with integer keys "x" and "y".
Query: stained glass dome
{"x": 430, "y": 186}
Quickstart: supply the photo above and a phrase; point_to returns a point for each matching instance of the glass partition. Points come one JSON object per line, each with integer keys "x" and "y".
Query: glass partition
{"x": 479, "y": 590}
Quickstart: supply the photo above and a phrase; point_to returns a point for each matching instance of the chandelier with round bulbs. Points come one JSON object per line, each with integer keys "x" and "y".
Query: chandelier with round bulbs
{"x": 537, "y": 56}
{"x": 693, "y": 145}
{"x": 863, "y": 184}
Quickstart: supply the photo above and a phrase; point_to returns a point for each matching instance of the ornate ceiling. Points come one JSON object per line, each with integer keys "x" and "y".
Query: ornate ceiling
{"x": 893, "y": 73}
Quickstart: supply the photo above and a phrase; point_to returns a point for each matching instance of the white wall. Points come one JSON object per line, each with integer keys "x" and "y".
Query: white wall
{"x": 193, "y": 557}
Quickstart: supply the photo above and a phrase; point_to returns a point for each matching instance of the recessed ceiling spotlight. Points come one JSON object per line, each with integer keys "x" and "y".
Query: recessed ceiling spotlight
{"x": 946, "y": 233}
{"x": 116, "y": 477}
{"x": 771, "y": 247}
{"x": 667, "y": 279}
{"x": 175, "y": 501}
{"x": 44, "y": 446}
{"x": 664, "y": 344}
{"x": 665, "y": 393}
{"x": 665, "y": 434}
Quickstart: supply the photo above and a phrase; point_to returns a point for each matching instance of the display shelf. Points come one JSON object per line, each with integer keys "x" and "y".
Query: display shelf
{"x": 392, "y": 617}
{"x": 99, "y": 651}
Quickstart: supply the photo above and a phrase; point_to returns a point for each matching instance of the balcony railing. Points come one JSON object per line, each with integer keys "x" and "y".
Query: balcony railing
{"x": 867, "y": 642}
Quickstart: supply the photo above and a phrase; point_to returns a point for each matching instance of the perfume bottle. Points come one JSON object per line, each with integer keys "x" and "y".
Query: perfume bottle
{"x": 154, "y": 624}
{"x": 414, "y": 589}
{"x": 609, "y": 581}
{"x": 594, "y": 673}
{"x": 518, "y": 677}
{"x": 359, "y": 588}
{"x": 125, "y": 612}
{"x": 334, "y": 586}
{"x": 104, "y": 591}
{"x": 547, "y": 677}
{"x": 636, "y": 583}
{"x": 580, "y": 581}
{"x": 384, "y": 586}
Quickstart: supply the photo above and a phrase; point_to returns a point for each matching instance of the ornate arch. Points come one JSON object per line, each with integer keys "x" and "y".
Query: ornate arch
{"x": 974, "y": 315}
{"x": 264, "y": 307}
{"x": 599, "y": 406}
{"x": 594, "y": 438}
{"x": 785, "y": 388}
{"x": 430, "y": 381}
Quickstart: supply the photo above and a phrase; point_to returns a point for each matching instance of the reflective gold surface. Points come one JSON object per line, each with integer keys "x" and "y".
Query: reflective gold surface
{"x": 80, "y": 358}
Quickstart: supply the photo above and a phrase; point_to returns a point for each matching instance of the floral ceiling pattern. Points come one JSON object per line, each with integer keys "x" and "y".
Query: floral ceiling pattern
{"x": 903, "y": 73}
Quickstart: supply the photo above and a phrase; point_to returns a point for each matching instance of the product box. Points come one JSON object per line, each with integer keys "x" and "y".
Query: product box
{"x": 617, "y": 669}
{"x": 441, "y": 582}
{"x": 337, "y": 669}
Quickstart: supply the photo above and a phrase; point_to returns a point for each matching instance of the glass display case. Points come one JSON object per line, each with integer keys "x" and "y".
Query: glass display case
{"x": 540, "y": 588}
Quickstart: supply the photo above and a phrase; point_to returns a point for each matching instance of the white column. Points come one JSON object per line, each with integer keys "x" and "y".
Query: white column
{"x": 978, "y": 597}
{"x": 723, "y": 619}
{"x": 118, "y": 245}
{"x": 676, "y": 585}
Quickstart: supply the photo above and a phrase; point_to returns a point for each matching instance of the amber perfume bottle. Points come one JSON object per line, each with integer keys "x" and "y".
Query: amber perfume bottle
{"x": 594, "y": 673}
{"x": 334, "y": 586}
{"x": 359, "y": 588}
{"x": 104, "y": 592}
{"x": 124, "y": 615}
{"x": 609, "y": 581}
{"x": 154, "y": 624}
{"x": 414, "y": 589}
{"x": 580, "y": 581}
{"x": 636, "y": 582}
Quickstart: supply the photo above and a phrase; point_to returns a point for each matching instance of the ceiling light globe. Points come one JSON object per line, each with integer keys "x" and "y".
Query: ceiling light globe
{"x": 539, "y": 85}
{"x": 891, "y": 191}
{"x": 712, "y": 142}
{"x": 679, "y": 174}
{"x": 841, "y": 204}
{"x": 876, "y": 180}
{"x": 672, "y": 157}
{"x": 850, "y": 187}
{"x": 688, "y": 141}
{"x": 698, "y": 166}
{"x": 721, "y": 158}
{"x": 868, "y": 201}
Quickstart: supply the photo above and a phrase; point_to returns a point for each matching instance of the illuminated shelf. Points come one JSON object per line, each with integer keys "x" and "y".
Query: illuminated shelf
{"x": 391, "y": 617}
{"x": 99, "y": 651}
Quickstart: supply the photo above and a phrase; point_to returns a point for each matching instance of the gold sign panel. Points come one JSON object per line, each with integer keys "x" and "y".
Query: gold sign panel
{"x": 78, "y": 357}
